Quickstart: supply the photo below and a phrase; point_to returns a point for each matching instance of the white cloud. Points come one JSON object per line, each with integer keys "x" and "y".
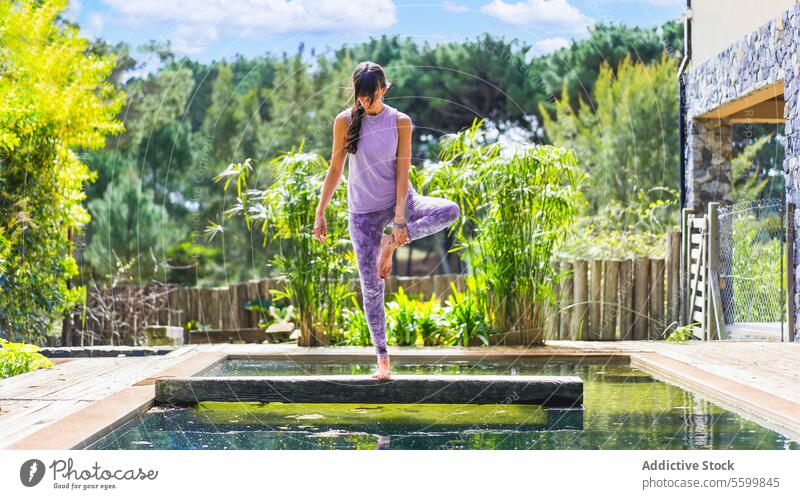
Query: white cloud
{"x": 73, "y": 9}
{"x": 451, "y": 6}
{"x": 261, "y": 16}
{"x": 191, "y": 40}
{"x": 93, "y": 26}
{"x": 551, "y": 14}
{"x": 657, "y": 3}
{"x": 550, "y": 45}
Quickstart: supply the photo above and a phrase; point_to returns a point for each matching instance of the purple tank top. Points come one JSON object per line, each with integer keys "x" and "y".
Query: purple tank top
{"x": 371, "y": 179}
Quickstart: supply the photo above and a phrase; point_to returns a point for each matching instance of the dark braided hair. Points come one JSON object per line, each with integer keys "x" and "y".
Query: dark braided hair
{"x": 368, "y": 77}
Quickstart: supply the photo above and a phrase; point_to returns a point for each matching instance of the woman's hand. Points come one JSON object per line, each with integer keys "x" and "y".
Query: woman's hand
{"x": 400, "y": 235}
{"x": 320, "y": 227}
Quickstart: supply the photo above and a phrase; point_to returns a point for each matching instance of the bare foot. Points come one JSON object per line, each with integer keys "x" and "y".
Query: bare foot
{"x": 385, "y": 259}
{"x": 384, "y": 370}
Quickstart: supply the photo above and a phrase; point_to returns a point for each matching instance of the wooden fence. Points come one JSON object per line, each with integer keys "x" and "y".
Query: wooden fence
{"x": 606, "y": 300}
{"x": 633, "y": 299}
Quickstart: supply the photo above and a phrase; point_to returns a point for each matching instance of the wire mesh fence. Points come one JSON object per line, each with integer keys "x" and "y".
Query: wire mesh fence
{"x": 752, "y": 277}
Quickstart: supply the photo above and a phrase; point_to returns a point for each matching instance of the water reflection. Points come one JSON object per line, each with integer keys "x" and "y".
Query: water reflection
{"x": 623, "y": 409}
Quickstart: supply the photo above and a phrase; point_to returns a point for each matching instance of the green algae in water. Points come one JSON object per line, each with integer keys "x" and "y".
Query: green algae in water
{"x": 624, "y": 409}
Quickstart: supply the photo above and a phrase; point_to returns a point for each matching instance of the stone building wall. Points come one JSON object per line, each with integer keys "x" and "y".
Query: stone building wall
{"x": 762, "y": 58}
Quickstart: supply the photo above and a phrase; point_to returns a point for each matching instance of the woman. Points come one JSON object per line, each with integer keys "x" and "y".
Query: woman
{"x": 376, "y": 138}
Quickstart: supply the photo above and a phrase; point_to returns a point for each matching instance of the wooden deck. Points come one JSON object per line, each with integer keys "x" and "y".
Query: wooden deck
{"x": 64, "y": 406}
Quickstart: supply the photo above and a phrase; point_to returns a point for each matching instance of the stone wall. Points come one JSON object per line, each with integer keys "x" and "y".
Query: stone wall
{"x": 762, "y": 58}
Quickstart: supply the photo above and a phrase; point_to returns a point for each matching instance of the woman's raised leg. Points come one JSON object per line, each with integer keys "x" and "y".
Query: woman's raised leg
{"x": 428, "y": 215}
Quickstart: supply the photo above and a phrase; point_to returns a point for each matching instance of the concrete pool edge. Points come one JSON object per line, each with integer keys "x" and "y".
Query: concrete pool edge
{"x": 770, "y": 411}
{"x": 81, "y": 428}
{"x": 562, "y": 392}
{"x": 91, "y": 423}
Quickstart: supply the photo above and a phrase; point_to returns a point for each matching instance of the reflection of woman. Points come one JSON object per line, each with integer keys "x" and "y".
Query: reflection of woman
{"x": 377, "y": 140}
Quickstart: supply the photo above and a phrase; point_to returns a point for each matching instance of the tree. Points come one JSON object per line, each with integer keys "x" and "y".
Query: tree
{"x": 130, "y": 230}
{"x": 577, "y": 66}
{"x": 55, "y": 98}
{"x": 627, "y": 140}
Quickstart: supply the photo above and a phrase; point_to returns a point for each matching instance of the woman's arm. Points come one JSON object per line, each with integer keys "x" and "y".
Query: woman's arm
{"x": 336, "y": 168}
{"x": 404, "y": 129}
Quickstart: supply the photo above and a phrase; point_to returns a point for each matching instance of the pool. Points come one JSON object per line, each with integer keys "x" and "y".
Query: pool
{"x": 624, "y": 408}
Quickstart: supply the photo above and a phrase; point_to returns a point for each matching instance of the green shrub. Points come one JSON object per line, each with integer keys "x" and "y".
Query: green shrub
{"x": 19, "y": 358}
{"x": 415, "y": 322}
{"x": 516, "y": 208}
{"x": 317, "y": 274}
{"x": 681, "y": 334}
{"x": 402, "y": 324}
{"x": 355, "y": 330}
{"x": 56, "y": 99}
{"x": 465, "y": 318}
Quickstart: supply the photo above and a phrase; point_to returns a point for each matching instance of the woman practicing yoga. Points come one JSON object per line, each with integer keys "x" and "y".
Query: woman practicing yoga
{"x": 377, "y": 140}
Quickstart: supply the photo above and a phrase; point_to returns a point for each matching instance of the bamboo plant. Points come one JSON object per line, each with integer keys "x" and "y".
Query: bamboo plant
{"x": 317, "y": 274}
{"x": 516, "y": 206}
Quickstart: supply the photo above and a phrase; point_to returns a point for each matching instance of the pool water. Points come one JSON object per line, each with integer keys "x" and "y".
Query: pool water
{"x": 624, "y": 408}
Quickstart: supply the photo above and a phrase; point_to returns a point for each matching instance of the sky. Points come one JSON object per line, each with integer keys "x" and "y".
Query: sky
{"x": 214, "y": 29}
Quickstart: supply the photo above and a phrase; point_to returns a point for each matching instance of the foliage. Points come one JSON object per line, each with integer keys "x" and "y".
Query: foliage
{"x": 516, "y": 207}
{"x": 465, "y": 316}
{"x": 415, "y": 322}
{"x": 619, "y": 231}
{"x": 186, "y": 118}
{"x": 627, "y": 139}
{"x": 749, "y": 180}
{"x": 756, "y": 268}
{"x": 67, "y": 104}
{"x": 271, "y": 313}
{"x": 355, "y": 330}
{"x": 129, "y": 230}
{"x": 19, "y": 358}
{"x": 681, "y": 333}
{"x": 401, "y": 314}
{"x": 194, "y": 325}
{"x": 577, "y": 66}
{"x": 316, "y": 274}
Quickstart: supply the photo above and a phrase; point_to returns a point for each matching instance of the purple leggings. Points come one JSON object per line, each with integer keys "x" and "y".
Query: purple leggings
{"x": 425, "y": 215}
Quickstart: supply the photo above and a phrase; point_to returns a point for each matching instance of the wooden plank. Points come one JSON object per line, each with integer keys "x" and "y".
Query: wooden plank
{"x": 565, "y": 326}
{"x": 552, "y": 321}
{"x": 441, "y": 286}
{"x": 657, "y": 325}
{"x": 683, "y": 268}
{"x": 766, "y": 93}
{"x": 672, "y": 277}
{"x": 695, "y": 284}
{"x": 611, "y": 272}
{"x": 459, "y": 279}
{"x": 580, "y": 309}
{"x": 596, "y": 296}
{"x": 698, "y": 223}
{"x": 641, "y": 302}
{"x": 242, "y": 314}
{"x": 425, "y": 287}
{"x": 626, "y": 285}
{"x": 250, "y": 318}
{"x": 192, "y": 299}
{"x": 551, "y": 391}
{"x": 771, "y": 111}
